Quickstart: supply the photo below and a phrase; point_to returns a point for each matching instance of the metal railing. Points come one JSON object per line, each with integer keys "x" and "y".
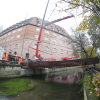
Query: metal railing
{"x": 11, "y": 62}
{"x": 91, "y": 71}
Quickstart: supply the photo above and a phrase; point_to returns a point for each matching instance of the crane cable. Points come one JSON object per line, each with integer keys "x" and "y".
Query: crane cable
{"x": 24, "y": 34}
{"x": 45, "y": 23}
{"x": 51, "y": 13}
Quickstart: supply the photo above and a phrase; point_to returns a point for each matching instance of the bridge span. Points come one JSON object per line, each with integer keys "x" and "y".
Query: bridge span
{"x": 59, "y": 64}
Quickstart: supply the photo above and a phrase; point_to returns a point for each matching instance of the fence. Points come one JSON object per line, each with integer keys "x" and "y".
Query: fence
{"x": 11, "y": 62}
{"x": 92, "y": 70}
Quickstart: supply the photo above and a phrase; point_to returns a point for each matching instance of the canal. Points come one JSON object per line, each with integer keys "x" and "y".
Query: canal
{"x": 55, "y": 86}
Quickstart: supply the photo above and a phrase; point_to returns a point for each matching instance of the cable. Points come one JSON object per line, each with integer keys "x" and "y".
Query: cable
{"x": 51, "y": 13}
{"x": 24, "y": 36}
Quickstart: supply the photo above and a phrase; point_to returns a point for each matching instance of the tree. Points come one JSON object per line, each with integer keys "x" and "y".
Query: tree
{"x": 88, "y": 50}
{"x": 90, "y": 9}
{"x": 82, "y": 44}
{"x": 91, "y": 21}
{"x": 94, "y": 33}
{"x": 75, "y": 53}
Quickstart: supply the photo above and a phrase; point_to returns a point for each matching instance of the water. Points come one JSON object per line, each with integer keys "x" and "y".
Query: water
{"x": 63, "y": 79}
{"x": 58, "y": 86}
{"x": 4, "y": 98}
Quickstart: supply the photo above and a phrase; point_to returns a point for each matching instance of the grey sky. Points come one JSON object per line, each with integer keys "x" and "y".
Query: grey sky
{"x": 14, "y": 11}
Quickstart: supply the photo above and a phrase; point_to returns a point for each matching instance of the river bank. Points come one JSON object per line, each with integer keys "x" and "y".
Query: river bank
{"x": 62, "y": 86}
{"x": 50, "y": 91}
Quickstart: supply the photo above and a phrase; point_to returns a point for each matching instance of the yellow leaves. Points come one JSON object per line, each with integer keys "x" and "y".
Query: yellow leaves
{"x": 83, "y": 25}
{"x": 87, "y": 27}
{"x": 96, "y": 81}
{"x": 60, "y": 1}
{"x": 77, "y": 1}
{"x": 97, "y": 94}
{"x": 72, "y": 5}
{"x": 90, "y": 92}
{"x": 96, "y": 89}
{"x": 88, "y": 49}
{"x": 83, "y": 7}
{"x": 59, "y": 10}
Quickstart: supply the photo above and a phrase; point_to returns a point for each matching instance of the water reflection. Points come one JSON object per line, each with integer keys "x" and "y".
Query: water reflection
{"x": 4, "y": 98}
{"x": 66, "y": 78}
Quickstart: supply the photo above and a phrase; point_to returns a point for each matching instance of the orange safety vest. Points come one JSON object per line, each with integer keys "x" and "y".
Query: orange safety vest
{"x": 20, "y": 60}
{"x": 3, "y": 56}
{"x": 6, "y": 56}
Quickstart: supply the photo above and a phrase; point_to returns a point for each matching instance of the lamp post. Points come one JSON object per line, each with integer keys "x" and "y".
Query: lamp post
{"x": 27, "y": 56}
{"x": 15, "y": 56}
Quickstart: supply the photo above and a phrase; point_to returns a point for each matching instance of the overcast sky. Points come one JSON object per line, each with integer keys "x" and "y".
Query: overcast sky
{"x": 14, "y": 11}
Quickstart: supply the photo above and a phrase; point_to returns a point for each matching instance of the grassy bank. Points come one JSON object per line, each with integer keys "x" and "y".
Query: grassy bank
{"x": 91, "y": 90}
{"x": 14, "y": 86}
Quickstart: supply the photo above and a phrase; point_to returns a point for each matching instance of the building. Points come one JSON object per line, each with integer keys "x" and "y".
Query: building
{"x": 18, "y": 38}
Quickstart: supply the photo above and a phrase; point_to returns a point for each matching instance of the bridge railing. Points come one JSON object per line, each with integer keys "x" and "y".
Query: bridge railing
{"x": 93, "y": 70}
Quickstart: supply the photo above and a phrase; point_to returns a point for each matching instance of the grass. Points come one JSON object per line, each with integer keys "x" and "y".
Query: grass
{"x": 14, "y": 86}
{"x": 55, "y": 87}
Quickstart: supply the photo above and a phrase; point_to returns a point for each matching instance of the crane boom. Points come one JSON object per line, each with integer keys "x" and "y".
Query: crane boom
{"x": 57, "y": 20}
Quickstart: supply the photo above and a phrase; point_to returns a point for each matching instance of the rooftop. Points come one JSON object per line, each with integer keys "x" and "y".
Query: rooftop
{"x": 37, "y": 22}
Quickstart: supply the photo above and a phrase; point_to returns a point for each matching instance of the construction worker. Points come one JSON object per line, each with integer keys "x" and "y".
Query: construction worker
{"x": 6, "y": 56}
{"x": 9, "y": 57}
{"x": 20, "y": 60}
{"x": 3, "y": 56}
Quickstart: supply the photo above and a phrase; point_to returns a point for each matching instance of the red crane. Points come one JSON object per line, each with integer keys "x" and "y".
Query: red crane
{"x": 41, "y": 27}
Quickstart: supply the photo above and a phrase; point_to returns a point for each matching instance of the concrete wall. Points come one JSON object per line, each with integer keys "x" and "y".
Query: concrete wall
{"x": 17, "y": 71}
{"x": 85, "y": 95}
{"x": 10, "y": 71}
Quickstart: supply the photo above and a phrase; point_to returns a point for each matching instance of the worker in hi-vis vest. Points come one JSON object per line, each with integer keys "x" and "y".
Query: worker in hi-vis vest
{"x": 4, "y": 56}
{"x": 20, "y": 60}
